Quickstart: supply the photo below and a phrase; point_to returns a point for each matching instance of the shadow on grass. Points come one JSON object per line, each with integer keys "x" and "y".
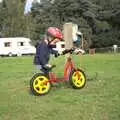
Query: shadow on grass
{"x": 93, "y": 77}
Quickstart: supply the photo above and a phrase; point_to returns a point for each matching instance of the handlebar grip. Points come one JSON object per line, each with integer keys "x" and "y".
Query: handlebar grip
{"x": 57, "y": 54}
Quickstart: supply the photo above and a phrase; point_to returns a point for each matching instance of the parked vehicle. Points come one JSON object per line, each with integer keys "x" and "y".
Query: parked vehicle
{"x": 16, "y": 46}
{"x": 60, "y": 46}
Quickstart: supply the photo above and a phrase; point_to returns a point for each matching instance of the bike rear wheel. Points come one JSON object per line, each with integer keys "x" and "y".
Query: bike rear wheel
{"x": 77, "y": 79}
{"x": 39, "y": 84}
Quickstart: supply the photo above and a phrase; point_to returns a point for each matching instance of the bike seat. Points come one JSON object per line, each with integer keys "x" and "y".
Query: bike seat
{"x": 49, "y": 68}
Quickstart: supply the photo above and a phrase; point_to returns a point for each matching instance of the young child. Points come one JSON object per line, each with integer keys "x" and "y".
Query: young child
{"x": 45, "y": 48}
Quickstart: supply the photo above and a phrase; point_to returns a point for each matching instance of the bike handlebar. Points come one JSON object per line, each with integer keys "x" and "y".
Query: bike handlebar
{"x": 68, "y": 51}
{"x": 65, "y": 52}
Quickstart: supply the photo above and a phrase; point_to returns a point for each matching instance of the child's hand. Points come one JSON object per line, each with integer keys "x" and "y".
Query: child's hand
{"x": 60, "y": 52}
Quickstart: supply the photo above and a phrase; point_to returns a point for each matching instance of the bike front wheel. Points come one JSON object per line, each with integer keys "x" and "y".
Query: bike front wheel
{"x": 77, "y": 79}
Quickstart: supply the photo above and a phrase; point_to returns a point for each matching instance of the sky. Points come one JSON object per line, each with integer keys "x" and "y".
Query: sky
{"x": 28, "y": 6}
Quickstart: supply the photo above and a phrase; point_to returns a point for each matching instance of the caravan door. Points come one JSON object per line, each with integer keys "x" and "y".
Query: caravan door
{"x": 25, "y": 47}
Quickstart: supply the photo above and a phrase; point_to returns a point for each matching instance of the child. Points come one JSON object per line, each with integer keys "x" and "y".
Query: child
{"x": 45, "y": 48}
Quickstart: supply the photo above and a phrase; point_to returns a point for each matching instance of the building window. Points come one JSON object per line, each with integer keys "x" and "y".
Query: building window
{"x": 7, "y": 44}
{"x": 20, "y": 43}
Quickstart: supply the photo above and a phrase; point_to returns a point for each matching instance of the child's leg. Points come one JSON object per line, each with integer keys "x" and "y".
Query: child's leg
{"x": 44, "y": 70}
{"x": 41, "y": 68}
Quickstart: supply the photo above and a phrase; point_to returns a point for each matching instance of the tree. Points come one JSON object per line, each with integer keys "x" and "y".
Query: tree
{"x": 14, "y": 23}
{"x": 96, "y": 19}
{"x": 2, "y": 16}
{"x": 59, "y": 12}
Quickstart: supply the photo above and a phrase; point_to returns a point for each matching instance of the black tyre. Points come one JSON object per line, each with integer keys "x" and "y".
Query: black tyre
{"x": 39, "y": 84}
{"x": 10, "y": 54}
{"x": 77, "y": 79}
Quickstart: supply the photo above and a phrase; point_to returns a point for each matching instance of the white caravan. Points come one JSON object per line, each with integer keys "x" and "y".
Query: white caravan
{"x": 60, "y": 46}
{"x": 16, "y": 46}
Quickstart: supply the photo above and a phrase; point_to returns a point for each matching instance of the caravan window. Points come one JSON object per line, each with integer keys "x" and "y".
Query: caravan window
{"x": 7, "y": 44}
{"x": 20, "y": 43}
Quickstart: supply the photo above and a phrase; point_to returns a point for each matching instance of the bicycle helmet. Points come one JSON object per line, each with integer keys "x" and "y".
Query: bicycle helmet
{"x": 55, "y": 32}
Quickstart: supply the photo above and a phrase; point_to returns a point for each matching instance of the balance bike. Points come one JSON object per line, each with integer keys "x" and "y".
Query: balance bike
{"x": 41, "y": 83}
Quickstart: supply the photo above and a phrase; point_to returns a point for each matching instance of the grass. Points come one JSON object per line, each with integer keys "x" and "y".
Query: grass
{"x": 98, "y": 100}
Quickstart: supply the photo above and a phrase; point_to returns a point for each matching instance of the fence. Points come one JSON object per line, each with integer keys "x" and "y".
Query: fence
{"x": 104, "y": 50}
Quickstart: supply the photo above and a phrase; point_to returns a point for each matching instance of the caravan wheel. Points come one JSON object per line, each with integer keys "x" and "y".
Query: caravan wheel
{"x": 10, "y": 54}
{"x": 19, "y": 54}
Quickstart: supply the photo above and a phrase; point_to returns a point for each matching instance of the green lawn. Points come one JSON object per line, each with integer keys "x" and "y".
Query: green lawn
{"x": 98, "y": 100}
